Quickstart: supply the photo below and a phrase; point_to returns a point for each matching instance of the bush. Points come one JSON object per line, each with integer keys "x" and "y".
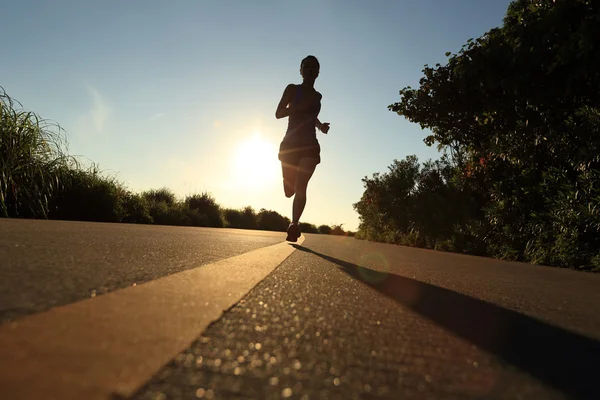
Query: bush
{"x": 249, "y": 218}
{"x": 272, "y": 221}
{"x": 245, "y": 218}
{"x": 233, "y": 218}
{"x": 337, "y": 230}
{"x": 204, "y": 210}
{"x": 324, "y": 229}
{"x": 308, "y": 228}
{"x": 136, "y": 209}
{"x": 160, "y": 195}
{"x": 85, "y": 195}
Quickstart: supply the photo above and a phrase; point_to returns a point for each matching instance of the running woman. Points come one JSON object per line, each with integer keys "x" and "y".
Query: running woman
{"x": 299, "y": 151}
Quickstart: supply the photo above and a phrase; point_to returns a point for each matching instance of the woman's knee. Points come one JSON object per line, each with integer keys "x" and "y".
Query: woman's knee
{"x": 300, "y": 188}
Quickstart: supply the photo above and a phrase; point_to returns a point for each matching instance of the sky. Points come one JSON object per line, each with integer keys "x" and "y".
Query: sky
{"x": 182, "y": 94}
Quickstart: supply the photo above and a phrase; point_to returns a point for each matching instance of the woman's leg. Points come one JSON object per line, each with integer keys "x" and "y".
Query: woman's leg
{"x": 289, "y": 178}
{"x": 306, "y": 167}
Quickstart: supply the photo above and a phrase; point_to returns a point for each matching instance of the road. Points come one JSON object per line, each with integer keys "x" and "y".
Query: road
{"x": 52, "y": 263}
{"x": 337, "y": 318}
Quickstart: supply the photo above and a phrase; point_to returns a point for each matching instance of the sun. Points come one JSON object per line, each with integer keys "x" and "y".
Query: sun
{"x": 255, "y": 163}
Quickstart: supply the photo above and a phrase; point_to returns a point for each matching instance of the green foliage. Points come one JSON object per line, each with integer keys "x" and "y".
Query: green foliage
{"x": 86, "y": 195}
{"x": 162, "y": 207}
{"x": 417, "y": 205}
{"x": 337, "y": 230}
{"x": 204, "y": 208}
{"x": 272, "y": 221}
{"x": 249, "y": 218}
{"x": 324, "y": 229}
{"x": 233, "y": 218}
{"x": 308, "y": 228}
{"x": 136, "y": 209}
{"x": 32, "y": 158}
{"x": 162, "y": 195}
{"x": 245, "y": 218}
{"x": 195, "y": 210}
{"x": 518, "y": 111}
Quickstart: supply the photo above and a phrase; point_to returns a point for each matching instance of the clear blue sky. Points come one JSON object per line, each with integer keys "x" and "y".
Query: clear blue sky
{"x": 165, "y": 94}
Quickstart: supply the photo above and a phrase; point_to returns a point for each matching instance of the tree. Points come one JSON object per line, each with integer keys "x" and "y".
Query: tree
{"x": 418, "y": 205}
{"x": 518, "y": 109}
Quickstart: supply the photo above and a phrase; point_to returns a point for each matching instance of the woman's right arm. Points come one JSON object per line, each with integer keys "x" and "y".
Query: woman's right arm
{"x": 282, "y": 108}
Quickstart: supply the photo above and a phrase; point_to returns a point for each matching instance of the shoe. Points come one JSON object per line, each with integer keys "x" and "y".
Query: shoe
{"x": 293, "y": 233}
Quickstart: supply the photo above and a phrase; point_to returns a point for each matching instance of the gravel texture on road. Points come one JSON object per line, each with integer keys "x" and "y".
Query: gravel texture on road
{"x": 312, "y": 330}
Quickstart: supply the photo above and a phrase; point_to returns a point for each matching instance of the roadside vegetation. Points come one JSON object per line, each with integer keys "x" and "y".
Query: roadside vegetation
{"x": 517, "y": 115}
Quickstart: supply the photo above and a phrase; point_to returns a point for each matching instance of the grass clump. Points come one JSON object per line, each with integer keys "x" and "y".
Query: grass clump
{"x": 33, "y": 160}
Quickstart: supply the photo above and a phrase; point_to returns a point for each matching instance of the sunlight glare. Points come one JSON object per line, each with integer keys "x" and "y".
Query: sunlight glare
{"x": 255, "y": 162}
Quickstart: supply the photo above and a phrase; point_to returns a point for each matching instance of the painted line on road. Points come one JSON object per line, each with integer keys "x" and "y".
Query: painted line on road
{"x": 114, "y": 343}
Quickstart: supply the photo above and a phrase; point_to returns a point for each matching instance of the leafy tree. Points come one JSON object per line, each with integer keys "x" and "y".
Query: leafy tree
{"x": 519, "y": 111}
{"x": 419, "y": 205}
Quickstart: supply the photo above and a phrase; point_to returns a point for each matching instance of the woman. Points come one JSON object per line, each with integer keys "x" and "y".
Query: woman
{"x": 299, "y": 151}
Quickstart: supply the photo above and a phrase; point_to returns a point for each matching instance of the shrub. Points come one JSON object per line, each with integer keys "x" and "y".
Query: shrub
{"x": 85, "y": 195}
{"x": 160, "y": 195}
{"x": 324, "y": 229}
{"x": 308, "y": 228}
{"x": 205, "y": 210}
{"x": 136, "y": 209}
{"x": 272, "y": 221}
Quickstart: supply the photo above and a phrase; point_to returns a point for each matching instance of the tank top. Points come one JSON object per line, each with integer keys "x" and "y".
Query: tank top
{"x": 301, "y": 127}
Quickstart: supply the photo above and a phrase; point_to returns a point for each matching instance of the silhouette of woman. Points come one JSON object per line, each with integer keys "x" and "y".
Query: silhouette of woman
{"x": 299, "y": 151}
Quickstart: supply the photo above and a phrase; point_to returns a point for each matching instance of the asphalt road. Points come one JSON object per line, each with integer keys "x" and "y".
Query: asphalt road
{"x": 340, "y": 318}
{"x": 44, "y": 264}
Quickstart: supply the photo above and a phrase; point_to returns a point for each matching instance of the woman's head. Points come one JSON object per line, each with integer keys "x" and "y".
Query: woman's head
{"x": 309, "y": 68}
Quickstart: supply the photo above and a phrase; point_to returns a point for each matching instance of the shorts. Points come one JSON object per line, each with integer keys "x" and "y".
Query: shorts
{"x": 291, "y": 154}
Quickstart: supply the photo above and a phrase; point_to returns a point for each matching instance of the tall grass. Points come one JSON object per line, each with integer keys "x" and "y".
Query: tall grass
{"x": 85, "y": 194}
{"x": 33, "y": 159}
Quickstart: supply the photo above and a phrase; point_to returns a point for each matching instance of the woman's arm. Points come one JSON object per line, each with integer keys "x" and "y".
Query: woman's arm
{"x": 285, "y": 108}
{"x": 282, "y": 108}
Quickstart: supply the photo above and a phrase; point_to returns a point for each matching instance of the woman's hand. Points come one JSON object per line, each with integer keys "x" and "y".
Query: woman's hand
{"x": 323, "y": 126}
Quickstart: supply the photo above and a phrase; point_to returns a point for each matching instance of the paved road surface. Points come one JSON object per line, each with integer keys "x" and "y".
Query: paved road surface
{"x": 50, "y": 263}
{"x": 340, "y": 318}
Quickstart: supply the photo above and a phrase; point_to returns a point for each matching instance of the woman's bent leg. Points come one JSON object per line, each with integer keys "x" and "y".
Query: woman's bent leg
{"x": 306, "y": 167}
{"x": 289, "y": 178}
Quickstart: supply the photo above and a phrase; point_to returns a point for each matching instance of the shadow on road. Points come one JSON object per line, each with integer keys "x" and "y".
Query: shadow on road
{"x": 562, "y": 359}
